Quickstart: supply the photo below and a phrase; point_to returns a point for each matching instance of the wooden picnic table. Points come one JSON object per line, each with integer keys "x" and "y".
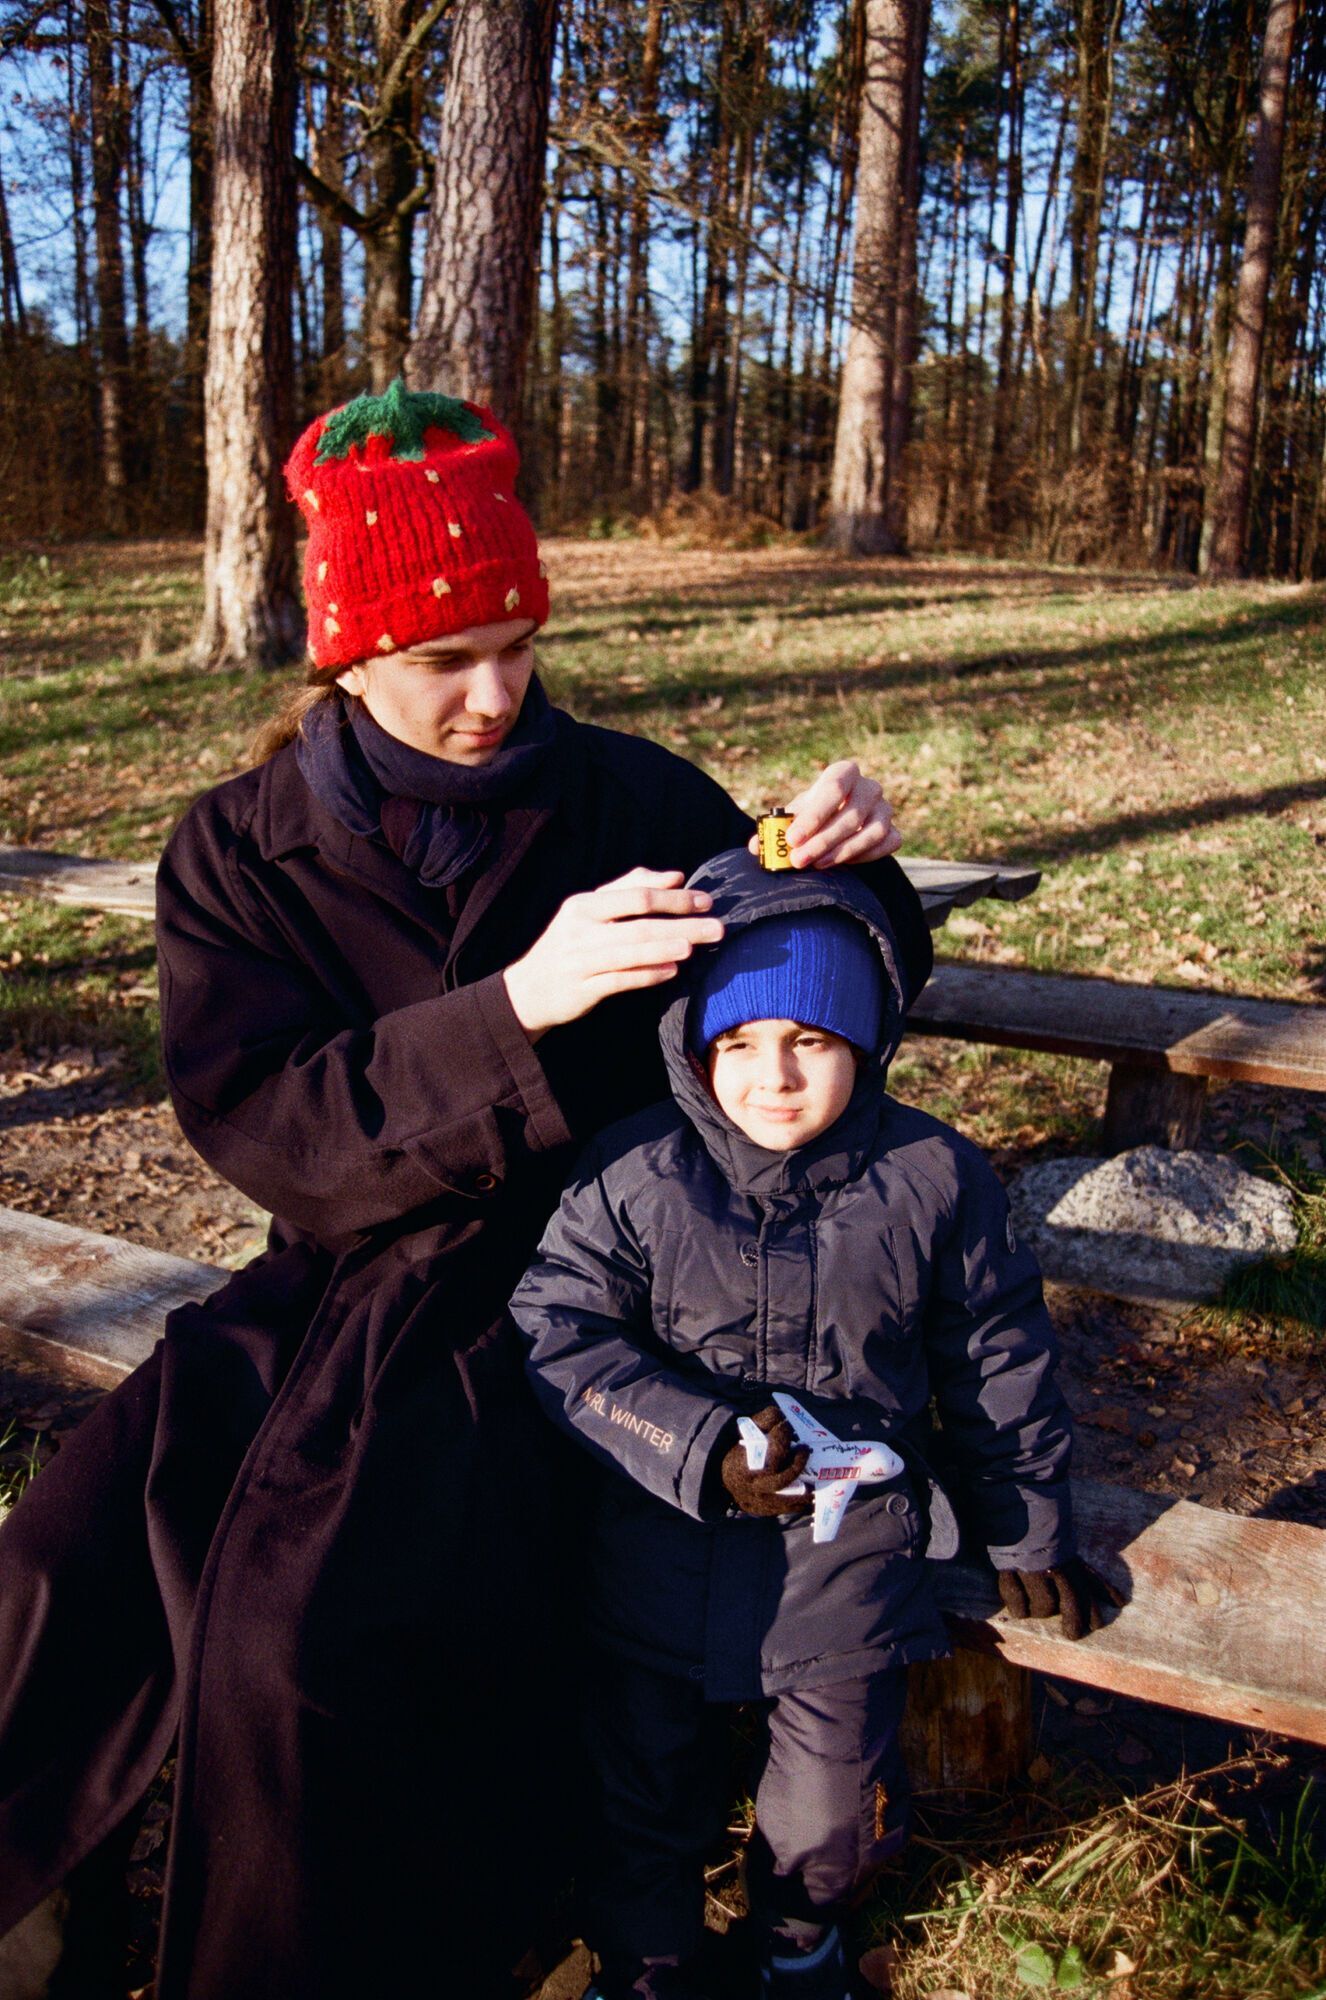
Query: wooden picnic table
{"x": 127, "y": 888}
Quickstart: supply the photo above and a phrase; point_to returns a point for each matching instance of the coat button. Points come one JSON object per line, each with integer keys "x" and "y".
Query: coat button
{"x": 749, "y": 1254}
{"x": 897, "y": 1503}
{"x": 485, "y": 1183}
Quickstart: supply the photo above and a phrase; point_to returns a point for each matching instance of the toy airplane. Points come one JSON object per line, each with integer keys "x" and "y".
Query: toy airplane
{"x": 833, "y": 1470}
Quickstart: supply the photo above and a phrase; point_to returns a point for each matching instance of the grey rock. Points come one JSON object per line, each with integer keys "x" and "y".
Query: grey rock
{"x": 1150, "y": 1224}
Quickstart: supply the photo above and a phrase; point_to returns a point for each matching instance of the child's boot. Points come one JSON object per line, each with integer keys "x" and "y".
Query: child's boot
{"x": 818, "y": 1972}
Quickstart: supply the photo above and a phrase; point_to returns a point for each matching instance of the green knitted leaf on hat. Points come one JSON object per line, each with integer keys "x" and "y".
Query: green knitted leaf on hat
{"x": 403, "y": 415}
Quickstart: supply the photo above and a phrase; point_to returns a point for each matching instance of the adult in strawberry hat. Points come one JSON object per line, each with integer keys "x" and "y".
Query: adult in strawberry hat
{"x": 409, "y": 963}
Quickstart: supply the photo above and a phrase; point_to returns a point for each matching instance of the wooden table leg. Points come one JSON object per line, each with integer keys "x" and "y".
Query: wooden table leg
{"x": 1152, "y": 1107}
{"x": 967, "y": 1725}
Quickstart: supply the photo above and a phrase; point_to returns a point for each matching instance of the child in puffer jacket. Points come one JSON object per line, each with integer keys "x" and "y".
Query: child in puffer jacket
{"x": 783, "y": 1225}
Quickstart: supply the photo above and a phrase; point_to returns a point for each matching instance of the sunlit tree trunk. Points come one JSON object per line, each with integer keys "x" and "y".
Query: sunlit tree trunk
{"x": 1229, "y": 535}
{"x": 110, "y": 126}
{"x": 476, "y": 304}
{"x": 998, "y": 487}
{"x": 251, "y": 614}
{"x": 1097, "y": 31}
{"x": 861, "y": 512}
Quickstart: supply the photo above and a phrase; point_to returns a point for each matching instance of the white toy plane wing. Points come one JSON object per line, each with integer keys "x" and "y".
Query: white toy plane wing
{"x": 830, "y": 1505}
{"x": 805, "y": 1426}
{"x": 835, "y": 1468}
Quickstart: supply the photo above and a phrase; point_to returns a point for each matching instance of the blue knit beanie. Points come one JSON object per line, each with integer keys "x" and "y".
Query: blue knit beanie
{"x": 819, "y": 967}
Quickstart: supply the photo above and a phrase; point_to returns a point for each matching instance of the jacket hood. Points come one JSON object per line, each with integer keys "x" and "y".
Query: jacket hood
{"x": 744, "y": 894}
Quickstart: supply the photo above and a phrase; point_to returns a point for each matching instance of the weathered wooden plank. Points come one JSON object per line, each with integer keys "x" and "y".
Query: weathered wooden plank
{"x": 1196, "y": 1034}
{"x": 96, "y": 1294}
{"x": 1224, "y": 1618}
{"x": 126, "y": 888}
{"x": 963, "y": 882}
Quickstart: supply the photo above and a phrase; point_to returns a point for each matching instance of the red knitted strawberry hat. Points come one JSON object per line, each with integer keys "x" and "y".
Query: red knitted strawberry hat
{"x": 414, "y": 529}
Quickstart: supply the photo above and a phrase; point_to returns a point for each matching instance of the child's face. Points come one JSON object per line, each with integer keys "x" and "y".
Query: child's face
{"x": 779, "y": 1083}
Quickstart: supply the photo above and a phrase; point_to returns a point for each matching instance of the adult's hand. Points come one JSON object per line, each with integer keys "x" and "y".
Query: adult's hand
{"x": 630, "y": 933}
{"x": 843, "y": 817}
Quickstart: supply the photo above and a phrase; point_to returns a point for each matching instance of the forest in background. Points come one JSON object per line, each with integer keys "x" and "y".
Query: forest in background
{"x": 1038, "y": 276}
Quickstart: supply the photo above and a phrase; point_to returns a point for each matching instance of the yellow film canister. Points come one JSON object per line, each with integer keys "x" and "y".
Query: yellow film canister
{"x": 771, "y": 835}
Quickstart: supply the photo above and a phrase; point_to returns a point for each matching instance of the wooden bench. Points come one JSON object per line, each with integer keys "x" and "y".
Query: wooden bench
{"x": 1224, "y": 1615}
{"x": 127, "y": 888}
{"x": 1162, "y": 1043}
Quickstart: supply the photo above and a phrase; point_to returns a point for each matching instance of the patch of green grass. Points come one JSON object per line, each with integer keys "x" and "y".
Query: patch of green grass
{"x": 19, "y": 1466}
{"x": 79, "y": 976}
{"x": 1281, "y": 1301}
{"x": 1158, "y": 751}
{"x": 1201, "y": 1890}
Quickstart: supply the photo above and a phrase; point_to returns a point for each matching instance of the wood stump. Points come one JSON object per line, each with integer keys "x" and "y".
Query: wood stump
{"x": 1153, "y": 1107}
{"x": 967, "y": 1726}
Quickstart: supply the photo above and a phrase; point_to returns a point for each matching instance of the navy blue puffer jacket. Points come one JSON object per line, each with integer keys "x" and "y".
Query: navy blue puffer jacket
{"x": 689, "y": 1272}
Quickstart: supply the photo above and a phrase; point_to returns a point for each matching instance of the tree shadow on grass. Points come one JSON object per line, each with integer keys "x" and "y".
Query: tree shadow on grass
{"x": 753, "y": 580}
{"x": 1185, "y": 817}
{"x": 899, "y": 678}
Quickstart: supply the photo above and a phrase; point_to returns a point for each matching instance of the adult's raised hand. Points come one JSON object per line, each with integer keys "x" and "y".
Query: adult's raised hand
{"x": 632, "y": 932}
{"x": 842, "y": 817}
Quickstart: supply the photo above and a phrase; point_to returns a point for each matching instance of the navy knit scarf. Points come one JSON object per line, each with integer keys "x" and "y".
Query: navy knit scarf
{"x": 436, "y": 815}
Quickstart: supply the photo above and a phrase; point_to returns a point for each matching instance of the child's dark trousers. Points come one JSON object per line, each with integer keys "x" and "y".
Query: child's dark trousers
{"x": 830, "y": 1806}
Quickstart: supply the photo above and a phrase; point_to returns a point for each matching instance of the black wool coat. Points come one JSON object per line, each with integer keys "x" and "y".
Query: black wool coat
{"x": 689, "y": 1273}
{"x": 316, "y": 1534}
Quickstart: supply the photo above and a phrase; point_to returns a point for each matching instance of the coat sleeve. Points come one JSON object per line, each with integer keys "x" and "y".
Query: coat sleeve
{"x": 334, "y": 1126}
{"x": 594, "y": 1362}
{"x": 992, "y": 1351}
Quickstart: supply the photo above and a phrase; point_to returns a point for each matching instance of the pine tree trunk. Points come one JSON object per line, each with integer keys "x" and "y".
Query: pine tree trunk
{"x": 1243, "y": 366}
{"x": 13, "y": 318}
{"x": 633, "y": 461}
{"x": 998, "y": 486}
{"x": 1098, "y": 27}
{"x": 199, "y": 278}
{"x": 906, "y": 331}
{"x": 476, "y": 304}
{"x": 109, "y": 138}
{"x": 251, "y": 614}
{"x": 860, "y": 520}
{"x": 327, "y": 158}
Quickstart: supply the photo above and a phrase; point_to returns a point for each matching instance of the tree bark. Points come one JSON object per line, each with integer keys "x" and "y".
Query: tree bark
{"x": 633, "y": 467}
{"x": 110, "y": 125}
{"x": 906, "y": 330}
{"x": 860, "y": 518}
{"x": 327, "y": 159}
{"x": 251, "y": 614}
{"x": 1229, "y": 535}
{"x": 476, "y": 304}
{"x": 13, "y": 318}
{"x": 1098, "y": 27}
{"x": 999, "y": 485}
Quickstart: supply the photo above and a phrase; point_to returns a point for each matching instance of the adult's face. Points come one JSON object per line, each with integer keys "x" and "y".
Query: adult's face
{"x": 456, "y": 697}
